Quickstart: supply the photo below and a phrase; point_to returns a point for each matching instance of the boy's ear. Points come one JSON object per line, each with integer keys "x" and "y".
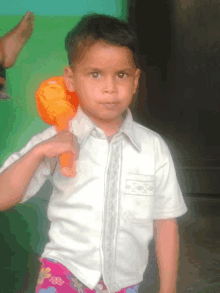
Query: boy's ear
{"x": 136, "y": 80}
{"x": 68, "y": 79}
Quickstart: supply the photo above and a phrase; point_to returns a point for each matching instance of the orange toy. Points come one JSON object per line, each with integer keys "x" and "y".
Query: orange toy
{"x": 56, "y": 106}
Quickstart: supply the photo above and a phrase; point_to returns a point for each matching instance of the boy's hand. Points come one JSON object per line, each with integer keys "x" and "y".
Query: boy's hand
{"x": 63, "y": 142}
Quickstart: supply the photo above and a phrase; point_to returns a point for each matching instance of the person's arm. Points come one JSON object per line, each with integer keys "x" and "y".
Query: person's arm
{"x": 167, "y": 249}
{"x": 15, "y": 179}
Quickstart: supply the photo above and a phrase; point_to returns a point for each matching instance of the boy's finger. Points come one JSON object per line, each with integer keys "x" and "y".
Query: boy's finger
{"x": 76, "y": 151}
{"x": 76, "y": 143}
{"x": 75, "y": 138}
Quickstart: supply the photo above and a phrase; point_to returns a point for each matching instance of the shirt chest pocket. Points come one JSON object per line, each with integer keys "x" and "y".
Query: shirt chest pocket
{"x": 138, "y": 200}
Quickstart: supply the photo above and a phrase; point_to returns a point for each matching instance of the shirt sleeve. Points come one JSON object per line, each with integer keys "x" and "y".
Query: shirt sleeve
{"x": 44, "y": 169}
{"x": 169, "y": 201}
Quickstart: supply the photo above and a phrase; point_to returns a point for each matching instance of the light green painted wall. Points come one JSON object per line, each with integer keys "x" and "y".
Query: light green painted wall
{"x": 42, "y": 57}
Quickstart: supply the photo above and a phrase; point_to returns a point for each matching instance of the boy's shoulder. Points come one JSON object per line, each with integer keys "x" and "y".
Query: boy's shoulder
{"x": 143, "y": 133}
{"x": 47, "y": 133}
{"x": 148, "y": 138}
{"x": 153, "y": 142}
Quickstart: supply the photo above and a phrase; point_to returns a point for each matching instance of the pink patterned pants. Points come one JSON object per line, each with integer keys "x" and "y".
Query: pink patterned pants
{"x": 56, "y": 278}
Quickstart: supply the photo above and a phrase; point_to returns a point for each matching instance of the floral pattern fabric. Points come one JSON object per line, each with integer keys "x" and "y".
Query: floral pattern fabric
{"x": 56, "y": 278}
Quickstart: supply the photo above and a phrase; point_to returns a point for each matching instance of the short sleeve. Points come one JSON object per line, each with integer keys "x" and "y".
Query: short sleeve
{"x": 43, "y": 170}
{"x": 169, "y": 202}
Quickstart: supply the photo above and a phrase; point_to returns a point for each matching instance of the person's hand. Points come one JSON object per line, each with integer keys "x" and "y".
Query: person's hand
{"x": 64, "y": 145}
{"x": 165, "y": 291}
{"x": 63, "y": 142}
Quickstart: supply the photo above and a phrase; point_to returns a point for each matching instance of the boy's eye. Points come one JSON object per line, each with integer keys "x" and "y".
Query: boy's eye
{"x": 95, "y": 74}
{"x": 121, "y": 74}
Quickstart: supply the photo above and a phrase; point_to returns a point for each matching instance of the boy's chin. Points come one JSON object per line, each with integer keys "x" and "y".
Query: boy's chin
{"x": 105, "y": 116}
{"x": 110, "y": 117}
{"x": 111, "y": 114}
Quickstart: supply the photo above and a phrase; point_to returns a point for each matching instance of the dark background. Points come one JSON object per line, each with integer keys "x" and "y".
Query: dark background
{"x": 181, "y": 47}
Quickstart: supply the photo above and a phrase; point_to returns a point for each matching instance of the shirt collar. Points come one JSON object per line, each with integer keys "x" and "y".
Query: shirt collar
{"x": 82, "y": 126}
{"x": 128, "y": 129}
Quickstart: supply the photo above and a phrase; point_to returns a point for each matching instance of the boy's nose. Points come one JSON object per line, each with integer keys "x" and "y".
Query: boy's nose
{"x": 110, "y": 85}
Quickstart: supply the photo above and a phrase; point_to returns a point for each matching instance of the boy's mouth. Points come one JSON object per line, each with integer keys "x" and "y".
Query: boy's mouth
{"x": 110, "y": 105}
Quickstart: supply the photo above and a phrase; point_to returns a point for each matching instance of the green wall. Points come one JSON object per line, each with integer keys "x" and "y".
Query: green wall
{"x": 42, "y": 57}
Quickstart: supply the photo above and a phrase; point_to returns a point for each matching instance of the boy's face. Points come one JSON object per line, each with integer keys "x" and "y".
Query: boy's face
{"x": 105, "y": 80}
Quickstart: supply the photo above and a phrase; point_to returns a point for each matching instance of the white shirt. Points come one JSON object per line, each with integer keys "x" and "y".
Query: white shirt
{"x": 102, "y": 220}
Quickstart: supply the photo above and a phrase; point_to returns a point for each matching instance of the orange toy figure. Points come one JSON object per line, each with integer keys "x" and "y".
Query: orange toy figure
{"x": 56, "y": 106}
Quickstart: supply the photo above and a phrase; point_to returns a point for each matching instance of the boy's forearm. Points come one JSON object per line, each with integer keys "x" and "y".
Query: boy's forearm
{"x": 167, "y": 250}
{"x": 14, "y": 179}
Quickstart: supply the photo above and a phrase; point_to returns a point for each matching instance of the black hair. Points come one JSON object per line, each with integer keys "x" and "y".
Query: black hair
{"x": 97, "y": 27}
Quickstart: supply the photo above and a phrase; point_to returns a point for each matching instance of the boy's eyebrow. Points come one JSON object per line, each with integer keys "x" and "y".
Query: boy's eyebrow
{"x": 92, "y": 69}
{"x": 101, "y": 70}
{"x": 125, "y": 69}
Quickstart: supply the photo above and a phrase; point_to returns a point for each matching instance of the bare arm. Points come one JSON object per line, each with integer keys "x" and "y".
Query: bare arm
{"x": 15, "y": 179}
{"x": 167, "y": 249}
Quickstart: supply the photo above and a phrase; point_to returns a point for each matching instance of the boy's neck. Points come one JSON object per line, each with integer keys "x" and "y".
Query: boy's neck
{"x": 110, "y": 128}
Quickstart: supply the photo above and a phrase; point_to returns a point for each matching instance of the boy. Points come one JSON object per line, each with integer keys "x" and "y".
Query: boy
{"x": 125, "y": 191}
